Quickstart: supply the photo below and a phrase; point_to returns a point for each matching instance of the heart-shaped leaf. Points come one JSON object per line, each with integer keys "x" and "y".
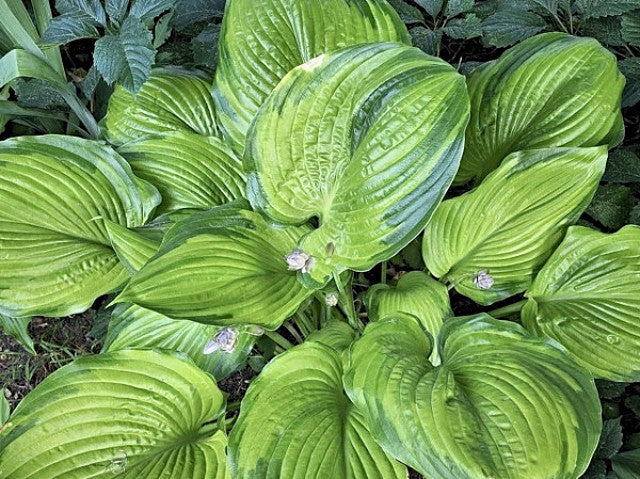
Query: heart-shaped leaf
{"x": 544, "y": 92}
{"x": 57, "y": 192}
{"x": 490, "y": 242}
{"x": 367, "y": 139}
{"x": 417, "y": 294}
{"x": 261, "y": 41}
{"x": 224, "y": 266}
{"x": 170, "y": 100}
{"x": 134, "y": 327}
{"x": 296, "y": 420}
{"x": 189, "y": 170}
{"x": 501, "y": 404}
{"x": 129, "y": 414}
{"x": 587, "y": 297}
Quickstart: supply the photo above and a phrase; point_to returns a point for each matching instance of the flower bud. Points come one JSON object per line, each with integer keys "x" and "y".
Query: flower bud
{"x": 483, "y": 280}
{"x": 298, "y": 260}
{"x": 225, "y": 340}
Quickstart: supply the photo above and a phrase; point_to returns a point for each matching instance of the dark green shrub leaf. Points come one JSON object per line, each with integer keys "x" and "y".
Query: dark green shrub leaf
{"x": 225, "y": 266}
{"x": 116, "y": 9}
{"x": 610, "y": 439}
{"x": 605, "y": 29}
{"x": 69, "y": 27}
{"x": 92, "y": 8}
{"x": 610, "y": 389}
{"x": 604, "y": 8}
{"x": 296, "y": 418}
{"x": 56, "y": 193}
{"x": 189, "y": 12}
{"x": 254, "y": 56}
{"x": 490, "y": 242}
{"x": 189, "y": 170}
{"x": 597, "y": 470}
{"x": 587, "y": 296}
{"x": 626, "y": 464}
{"x": 408, "y": 13}
{"x": 611, "y": 206}
{"x": 126, "y": 57}
{"x": 205, "y": 46}
{"x": 623, "y": 166}
{"x": 541, "y": 93}
{"x": 631, "y": 27}
{"x": 371, "y": 155}
{"x": 485, "y": 412}
{"x": 426, "y": 39}
{"x": 134, "y": 327}
{"x": 634, "y": 216}
{"x": 510, "y": 25}
{"x": 433, "y": 7}
{"x": 630, "y": 68}
{"x": 171, "y": 100}
{"x": 130, "y": 414}
{"x": 464, "y": 28}
{"x": 456, "y": 7}
{"x": 149, "y": 9}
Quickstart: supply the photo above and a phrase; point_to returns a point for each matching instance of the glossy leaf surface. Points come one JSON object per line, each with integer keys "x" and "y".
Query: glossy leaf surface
{"x": 502, "y": 403}
{"x": 189, "y": 170}
{"x": 367, "y": 140}
{"x": 551, "y": 90}
{"x": 261, "y": 41}
{"x": 587, "y": 297}
{"x": 416, "y": 293}
{"x": 170, "y": 100}
{"x": 128, "y": 414}
{"x": 133, "y": 248}
{"x": 508, "y": 226}
{"x": 223, "y": 266}
{"x": 57, "y": 193}
{"x": 134, "y": 327}
{"x": 296, "y": 419}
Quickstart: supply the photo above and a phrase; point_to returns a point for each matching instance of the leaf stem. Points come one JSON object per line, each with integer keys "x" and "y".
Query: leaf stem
{"x": 292, "y": 330}
{"x": 278, "y": 339}
{"x": 347, "y": 302}
{"x": 508, "y": 310}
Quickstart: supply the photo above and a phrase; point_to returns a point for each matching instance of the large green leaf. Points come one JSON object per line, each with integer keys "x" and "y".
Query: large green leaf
{"x": 127, "y": 414}
{"x": 134, "y": 327}
{"x": 587, "y": 297}
{"x": 417, "y": 294}
{"x": 502, "y": 404}
{"x": 223, "y": 266}
{"x": 490, "y": 242}
{"x": 133, "y": 248}
{"x": 170, "y": 100}
{"x": 367, "y": 140}
{"x": 190, "y": 170}
{"x": 547, "y": 91}
{"x": 57, "y": 192}
{"x": 296, "y": 422}
{"x": 261, "y": 41}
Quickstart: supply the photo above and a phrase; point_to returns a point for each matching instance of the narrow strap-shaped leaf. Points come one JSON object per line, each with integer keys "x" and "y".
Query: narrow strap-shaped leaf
{"x": 544, "y": 92}
{"x": 587, "y": 297}
{"x": 134, "y": 327}
{"x": 224, "y": 266}
{"x": 170, "y": 100}
{"x": 296, "y": 421}
{"x": 490, "y": 242}
{"x": 367, "y": 140}
{"x": 17, "y": 328}
{"x": 129, "y": 414}
{"x": 262, "y": 40}
{"x": 57, "y": 193}
{"x": 190, "y": 170}
{"x": 502, "y": 403}
{"x": 417, "y": 294}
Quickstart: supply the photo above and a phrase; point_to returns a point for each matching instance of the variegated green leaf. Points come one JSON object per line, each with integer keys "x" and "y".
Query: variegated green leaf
{"x": 490, "y": 242}
{"x": 134, "y": 327}
{"x": 587, "y": 297}
{"x": 57, "y": 192}
{"x": 189, "y": 170}
{"x": 133, "y": 248}
{"x": 367, "y": 140}
{"x": 170, "y": 100}
{"x": 296, "y": 421}
{"x": 416, "y": 293}
{"x": 127, "y": 414}
{"x": 224, "y": 266}
{"x": 262, "y": 40}
{"x": 502, "y": 404}
{"x": 551, "y": 90}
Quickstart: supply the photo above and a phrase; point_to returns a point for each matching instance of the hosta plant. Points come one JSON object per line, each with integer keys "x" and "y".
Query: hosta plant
{"x": 229, "y": 215}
